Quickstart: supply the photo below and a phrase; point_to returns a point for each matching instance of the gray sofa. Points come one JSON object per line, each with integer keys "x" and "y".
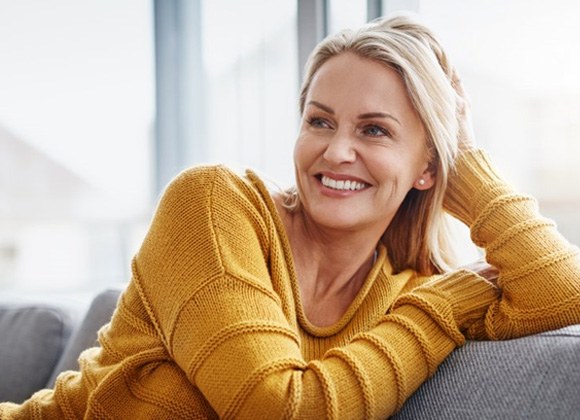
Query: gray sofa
{"x": 39, "y": 338}
{"x": 535, "y": 377}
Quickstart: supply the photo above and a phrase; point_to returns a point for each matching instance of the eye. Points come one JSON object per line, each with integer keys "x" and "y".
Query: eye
{"x": 375, "y": 131}
{"x": 317, "y": 122}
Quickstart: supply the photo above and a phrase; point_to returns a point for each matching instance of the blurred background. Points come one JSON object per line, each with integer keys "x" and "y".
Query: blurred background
{"x": 102, "y": 102}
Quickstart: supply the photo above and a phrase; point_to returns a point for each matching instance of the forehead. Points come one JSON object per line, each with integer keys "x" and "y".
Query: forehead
{"x": 350, "y": 81}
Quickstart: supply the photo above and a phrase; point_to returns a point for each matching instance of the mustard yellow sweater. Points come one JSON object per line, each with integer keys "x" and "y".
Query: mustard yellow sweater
{"x": 211, "y": 323}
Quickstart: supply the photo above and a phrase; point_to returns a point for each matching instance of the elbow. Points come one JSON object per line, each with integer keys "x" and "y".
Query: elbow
{"x": 267, "y": 395}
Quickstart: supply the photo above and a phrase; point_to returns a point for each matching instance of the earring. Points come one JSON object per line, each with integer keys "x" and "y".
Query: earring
{"x": 421, "y": 182}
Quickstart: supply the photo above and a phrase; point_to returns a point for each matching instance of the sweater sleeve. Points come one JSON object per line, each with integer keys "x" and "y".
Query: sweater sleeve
{"x": 539, "y": 270}
{"x": 203, "y": 273}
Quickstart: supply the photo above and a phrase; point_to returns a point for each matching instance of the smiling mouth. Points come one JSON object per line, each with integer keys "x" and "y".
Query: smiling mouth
{"x": 342, "y": 185}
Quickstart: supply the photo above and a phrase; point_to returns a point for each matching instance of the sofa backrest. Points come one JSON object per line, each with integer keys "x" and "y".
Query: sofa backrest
{"x": 535, "y": 377}
{"x": 85, "y": 335}
{"x": 32, "y": 338}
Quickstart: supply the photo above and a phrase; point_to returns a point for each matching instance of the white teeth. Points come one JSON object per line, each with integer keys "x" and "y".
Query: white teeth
{"x": 342, "y": 185}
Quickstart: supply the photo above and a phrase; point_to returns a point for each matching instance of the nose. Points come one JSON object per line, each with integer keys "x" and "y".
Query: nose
{"x": 340, "y": 149}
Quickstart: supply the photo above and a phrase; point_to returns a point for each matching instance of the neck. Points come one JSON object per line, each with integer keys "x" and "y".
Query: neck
{"x": 331, "y": 265}
{"x": 337, "y": 253}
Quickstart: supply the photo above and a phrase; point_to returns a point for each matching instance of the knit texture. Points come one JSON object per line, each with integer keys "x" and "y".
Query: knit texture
{"x": 211, "y": 324}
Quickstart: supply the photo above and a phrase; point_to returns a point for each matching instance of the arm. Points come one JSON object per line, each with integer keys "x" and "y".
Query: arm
{"x": 205, "y": 272}
{"x": 539, "y": 271}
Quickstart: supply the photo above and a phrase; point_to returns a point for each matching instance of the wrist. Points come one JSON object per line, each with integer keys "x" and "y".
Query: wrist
{"x": 462, "y": 296}
{"x": 472, "y": 183}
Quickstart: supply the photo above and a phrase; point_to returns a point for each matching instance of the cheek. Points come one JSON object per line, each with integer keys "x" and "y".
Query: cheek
{"x": 304, "y": 152}
{"x": 391, "y": 168}
{"x": 384, "y": 165}
{"x": 298, "y": 151}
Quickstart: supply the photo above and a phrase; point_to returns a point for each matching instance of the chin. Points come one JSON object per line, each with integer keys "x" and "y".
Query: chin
{"x": 338, "y": 220}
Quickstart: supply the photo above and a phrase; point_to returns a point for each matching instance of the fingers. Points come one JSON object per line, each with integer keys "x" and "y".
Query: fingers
{"x": 458, "y": 86}
{"x": 465, "y": 136}
{"x": 456, "y": 83}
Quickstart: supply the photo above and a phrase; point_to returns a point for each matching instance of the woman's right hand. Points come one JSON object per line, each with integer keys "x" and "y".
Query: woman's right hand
{"x": 484, "y": 269}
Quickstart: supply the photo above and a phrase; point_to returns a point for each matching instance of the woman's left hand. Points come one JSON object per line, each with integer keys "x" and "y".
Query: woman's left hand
{"x": 465, "y": 136}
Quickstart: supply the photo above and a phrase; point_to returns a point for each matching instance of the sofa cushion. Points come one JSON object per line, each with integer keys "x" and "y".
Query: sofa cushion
{"x": 31, "y": 341}
{"x": 535, "y": 377}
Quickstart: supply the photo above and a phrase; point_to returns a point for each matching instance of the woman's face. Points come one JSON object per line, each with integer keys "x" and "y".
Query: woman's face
{"x": 361, "y": 146}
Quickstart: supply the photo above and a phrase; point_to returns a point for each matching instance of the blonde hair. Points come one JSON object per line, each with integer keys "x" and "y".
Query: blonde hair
{"x": 418, "y": 237}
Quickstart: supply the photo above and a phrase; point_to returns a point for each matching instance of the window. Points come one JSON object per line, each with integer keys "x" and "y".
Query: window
{"x": 227, "y": 85}
{"x": 251, "y": 71}
{"x": 76, "y": 114}
{"x": 78, "y": 153}
{"x": 346, "y": 14}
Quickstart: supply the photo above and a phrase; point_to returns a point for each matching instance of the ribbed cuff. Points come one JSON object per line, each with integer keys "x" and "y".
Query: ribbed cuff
{"x": 468, "y": 294}
{"x": 472, "y": 184}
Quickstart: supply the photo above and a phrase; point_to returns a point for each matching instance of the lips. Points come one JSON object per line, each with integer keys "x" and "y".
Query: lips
{"x": 342, "y": 184}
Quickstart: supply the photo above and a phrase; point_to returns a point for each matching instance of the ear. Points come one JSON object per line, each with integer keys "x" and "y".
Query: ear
{"x": 425, "y": 181}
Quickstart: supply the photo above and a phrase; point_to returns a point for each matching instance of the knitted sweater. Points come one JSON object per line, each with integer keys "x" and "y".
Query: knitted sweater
{"x": 211, "y": 323}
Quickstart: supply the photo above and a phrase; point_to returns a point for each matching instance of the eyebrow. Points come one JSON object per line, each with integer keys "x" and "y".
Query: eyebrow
{"x": 365, "y": 116}
{"x": 369, "y": 115}
{"x": 321, "y": 106}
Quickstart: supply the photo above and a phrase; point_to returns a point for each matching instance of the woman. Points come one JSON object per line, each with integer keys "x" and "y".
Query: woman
{"x": 335, "y": 299}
